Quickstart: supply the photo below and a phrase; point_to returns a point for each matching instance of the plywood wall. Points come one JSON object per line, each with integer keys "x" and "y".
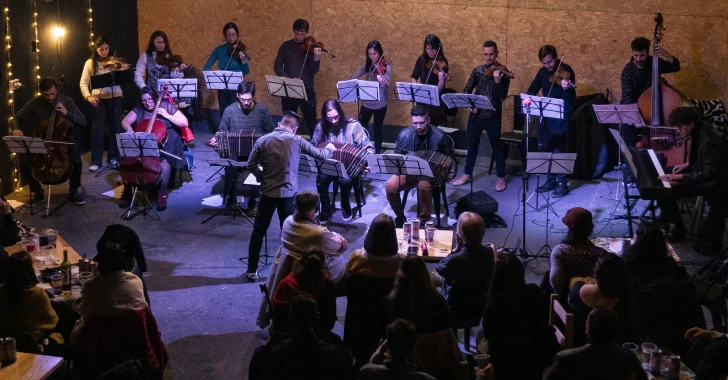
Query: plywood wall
{"x": 594, "y": 36}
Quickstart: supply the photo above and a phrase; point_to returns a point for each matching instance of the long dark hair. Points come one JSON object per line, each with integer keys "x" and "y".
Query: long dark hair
{"x": 434, "y": 42}
{"x": 378, "y": 48}
{"x": 150, "y": 46}
{"x": 310, "y": 270}
{"x": 98, "y": 41}
{"x": 381, "y": 239}
{"x": 414, "y": 296}
{"x": 230, "y": 25}
{"x": 329, "y": 105}
{"x": 508, "y": 276}
{"x": 612, "y": 278}
{"x": 19, "y": 277}
{"x": 127, "y": 239}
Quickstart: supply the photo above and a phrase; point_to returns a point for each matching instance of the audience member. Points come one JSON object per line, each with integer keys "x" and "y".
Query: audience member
{"x": 308, "y": 277}
{"x": 130, "y": 243}
{"x": 601, "y": 358}
{"x": 648, "y": 256}
{"x": 370, "y": 275}
{"x": 304, "y": 355}
{"x": 415, "y": 298}
{"x": 711, "y": 350}
{"x": 512, "y": 326}
{"x": 576, "y": 256}
{"x": 8, "y": 226}
{"x": 467, "y": 271}
{"x": 390, "y": 360}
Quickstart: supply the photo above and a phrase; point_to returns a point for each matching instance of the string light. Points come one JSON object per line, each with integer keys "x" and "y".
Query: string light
{"x": 11, "y": 103}
{"x": 37, "y": 49}
{"x": 90, "y": 24}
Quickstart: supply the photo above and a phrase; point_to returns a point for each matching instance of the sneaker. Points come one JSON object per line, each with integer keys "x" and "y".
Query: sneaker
{"x": 162, "y": 200}
{"x": 346, "y": 215}
{"x": 114, "y": 164}
{"x": 93, "y": 168}
{"x": 462, "y": 180}
{"x": 252, "y": 277}
{"x": 500, "y": 184}
{"x": 125, "y": 200}
{"x": 38, "y": 196}
{"x": 548, "y": 186}
{"x": 560, "y": 191}
{"x": 325, "y": 216}
{"x": 76, "y": 198}
{"x": 251, "y": 212}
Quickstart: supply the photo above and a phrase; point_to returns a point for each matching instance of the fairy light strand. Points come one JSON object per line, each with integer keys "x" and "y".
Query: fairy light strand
{"x": 37, "y": 47}
{"x": 90, "y": 24}
{"x": 11, "y": 101}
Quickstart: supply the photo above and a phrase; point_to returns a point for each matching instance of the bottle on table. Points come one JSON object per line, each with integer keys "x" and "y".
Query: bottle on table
{"x": 66, "y": 271}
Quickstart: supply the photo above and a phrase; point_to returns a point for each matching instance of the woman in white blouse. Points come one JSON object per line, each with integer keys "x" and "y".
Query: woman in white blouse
{"x": 148, "y": 67}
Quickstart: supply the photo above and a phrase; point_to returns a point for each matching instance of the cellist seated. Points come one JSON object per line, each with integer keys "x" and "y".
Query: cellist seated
{"x": 174, "y": 121}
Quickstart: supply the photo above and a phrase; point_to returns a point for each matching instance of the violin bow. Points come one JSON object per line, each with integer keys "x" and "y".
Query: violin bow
{"x": 434, "y": 62}
{"x": 556, "y": 71}
{"x": 230, "y": 58}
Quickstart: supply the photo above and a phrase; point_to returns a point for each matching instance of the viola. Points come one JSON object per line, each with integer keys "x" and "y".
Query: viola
{"x": 560, "y": 74}
{"x": 310, "y": 43}
{"x": 167, "y": 58}
{"x": 498, "y": 67}
{"x": 113, "y": 63}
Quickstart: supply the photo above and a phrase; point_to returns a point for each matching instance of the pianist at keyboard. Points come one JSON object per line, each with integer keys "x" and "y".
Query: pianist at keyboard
{"x": 705, "y": 173}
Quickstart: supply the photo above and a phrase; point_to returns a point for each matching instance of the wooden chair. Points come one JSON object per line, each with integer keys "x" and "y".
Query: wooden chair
{"x": 556, "y": 310}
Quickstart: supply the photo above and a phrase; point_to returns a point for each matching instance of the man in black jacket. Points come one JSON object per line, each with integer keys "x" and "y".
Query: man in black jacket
{"x": 705, "y": 173}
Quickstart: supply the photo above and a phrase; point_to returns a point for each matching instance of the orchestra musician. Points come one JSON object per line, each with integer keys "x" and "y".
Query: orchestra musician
{"x": 29, "y": 122}
{"x": 557, "y": 80}
{"x": 293, "y": 62}
{"x": 244, "y": 115}
{"x": 431, "y": 67}
{"x": 175, "y": 121}
{"x": 107, "y": 102}
{"x": 279, "y": 154}
{"x": 421, "y": 136}
{"x": 335, "y": 127}
{"x": 489, "y": 80}
{"x": 705, "y": 173}
{"x": 229, "y": 57}
{"x": 148, "y": 67}
{"x": 375, "y": 68}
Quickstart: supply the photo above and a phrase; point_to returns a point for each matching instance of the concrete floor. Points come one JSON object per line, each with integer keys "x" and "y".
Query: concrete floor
{"x": 206, "y": 310}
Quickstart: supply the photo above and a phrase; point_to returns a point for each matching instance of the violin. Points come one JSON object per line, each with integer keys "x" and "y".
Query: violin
{"x": 499, "y": 67}
{"x": 167, "y": 58}
{"x": 310, "y": 43}
{"x": 238, "y": 47}
{"x": 113, "y": 63}
{"x": 435, "y": 66}
{"x": 559, "y": 75}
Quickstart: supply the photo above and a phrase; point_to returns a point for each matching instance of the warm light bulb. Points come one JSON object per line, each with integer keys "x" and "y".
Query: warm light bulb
{"x": 6, "y": 9}
{"x": 58, "y": 32}
{"x": 90, "y": 10}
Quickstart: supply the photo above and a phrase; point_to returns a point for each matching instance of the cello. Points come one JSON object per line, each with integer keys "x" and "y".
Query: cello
{"x": 53, "y": 168}
{"x": 656, "y": 104}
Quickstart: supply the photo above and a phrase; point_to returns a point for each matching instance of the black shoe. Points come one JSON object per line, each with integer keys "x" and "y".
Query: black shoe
{"x": 399, "y": 221}
{"x": 38, "y": 196}
{"x": 76, "y": 198}
{"x": 325, "y": 216}
{"x": 346, "y": 215}
{"x": 560, "y": 191}
{"x": 548, "y": 186}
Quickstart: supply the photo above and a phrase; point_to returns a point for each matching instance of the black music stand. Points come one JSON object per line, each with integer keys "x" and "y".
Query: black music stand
{"x": 223, "y": 163}
{"x": 179, "y": 88}
{"x": 417, "y": 93}
{"x": 399, "y": 165}
{"x": 328, "y": 167}
{"x": 26, "y": 145}
{"x": 355, "y": 90}
{"x": 139, "y": 145}
{"x": 111, "y": 79}
{"x": 286, "y": 87}
{"x": 223, "y": 80}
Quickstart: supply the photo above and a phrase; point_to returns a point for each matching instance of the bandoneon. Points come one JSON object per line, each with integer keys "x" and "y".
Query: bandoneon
{"x": 353, "y": 158}
{"x": 236, "y": 143}
{"x": 439, "y": 164}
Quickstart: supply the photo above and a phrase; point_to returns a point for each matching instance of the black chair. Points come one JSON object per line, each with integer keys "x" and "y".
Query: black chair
{"x": 358, "y": 186}
{"x": 514, "y": 138}
{"x": 466, "y": 300}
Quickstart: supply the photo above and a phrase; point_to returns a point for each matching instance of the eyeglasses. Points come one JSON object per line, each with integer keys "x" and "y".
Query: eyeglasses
{"x": 148, "y": 100}
{"x": 231, "y": 35}
{"x": 332, "y": 118}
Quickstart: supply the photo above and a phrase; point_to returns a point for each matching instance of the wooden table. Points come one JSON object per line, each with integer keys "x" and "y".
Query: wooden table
{"x": 31, "y": 367}
{"x": 614, "y": 245}
{"x": 61, "y": 245}
{"x": 441, "y": 247}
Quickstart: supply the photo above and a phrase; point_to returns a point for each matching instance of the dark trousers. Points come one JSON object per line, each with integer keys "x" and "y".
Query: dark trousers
{"x": 225, "y": 98}
{"x": 322, "y": 186}
{"x": 629, "y": 135}
{"x": 108, "y": 110}
{"x": 76, "y": 165}
{"x": 231, "y": 181}
{"x": 266, "y": 208}
{"x": 365, "y": 114}
{"x": 552, "y": 138}
{"x": 308, "y": 108}
{"x": 492, "y": 127}
{"x": 712, "y": 232}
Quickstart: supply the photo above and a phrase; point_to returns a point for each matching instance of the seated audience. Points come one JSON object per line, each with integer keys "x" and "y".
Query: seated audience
{"x": 308, "y": 277}
{"x": 647, "y": 257}
{"x": 130, "y": 243}
{"x": 576, "y": 256}
{"x": 301, "y": 231}
{"x": 512, "y": 326}
{"x": 390, "y": 360}
{"x": 370, "y": 275}
{"x": 467, "y": 271}
{"x": 710, "y": 350}
{"x": 304, "y": 355}
{"x": 8, "y": 226}
{"x": 601, "y": 358}
{"x": 415, "y": 298}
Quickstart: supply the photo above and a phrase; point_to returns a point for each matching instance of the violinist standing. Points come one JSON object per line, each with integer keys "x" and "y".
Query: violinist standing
{"x": 491, "y": 80}
{"x": 28, "y": 123}
{"x": 147, "y": 65}
{"x": 552, "y": 82}
{"x": 107, "y": 103}
{"x": 375, "y": 68}
{"x": 294, "y": 62}
{"x": 431, "y": 68}
{"x": 229, "y": 56}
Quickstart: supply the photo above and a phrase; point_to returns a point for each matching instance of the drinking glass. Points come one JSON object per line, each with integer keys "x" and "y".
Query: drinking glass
{"x": 57, "y": 283}
{"x": 430, "y": 234}
{"x": 647, "y": 349}
{"x": 84, "y": 276}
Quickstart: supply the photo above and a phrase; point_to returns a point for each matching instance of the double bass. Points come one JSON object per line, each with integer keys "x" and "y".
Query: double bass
{"x": 53, "y": 168}
{"x": 656, "y": 104}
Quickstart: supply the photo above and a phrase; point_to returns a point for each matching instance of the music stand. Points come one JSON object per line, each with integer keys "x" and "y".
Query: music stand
{"x": 26, "y": 145}
{"x": 630, "y": 161}
{"x": 286, "y": 87}
{"x": 223, "y": 163}
{"x": 222, "y": 80}
{"x": 417, "y": 93}
{"x": 111, "y": 79}
{"x": 180, "y": 88}
{"x": 138, "y": 145}
{"x": 399, "y": 165}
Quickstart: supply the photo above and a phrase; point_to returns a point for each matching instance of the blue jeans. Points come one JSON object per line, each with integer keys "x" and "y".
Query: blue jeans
{"x": 107, "y": 110}
{"x": 266, "y": 208}
{"x": 492, "y": 127}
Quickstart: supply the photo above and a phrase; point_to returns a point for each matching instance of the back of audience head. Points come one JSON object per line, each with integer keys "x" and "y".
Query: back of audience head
{"x": 649, "y": 243}
{"x": 612, "y": 277}
{"x": 470, "y": 228}
{"x": 304, "y": 312}
{"x": 310, "y": 269}
{"x": 580, "y": 224}
{"x": 19, "y": 276}
{"x": 413, "y": 293}
{"x": 307, "y": 203}
{"x": 401, "y": 337}
{"x": 122, "y": 235}
{"x": 112, "y": 258}
{"x": 381, "y": 239}
{"x": 602, "y": 326}
{"x": 508, "y": 275}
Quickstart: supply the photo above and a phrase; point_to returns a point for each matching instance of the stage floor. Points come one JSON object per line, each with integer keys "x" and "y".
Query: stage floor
{"x": 206, "y": 309}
